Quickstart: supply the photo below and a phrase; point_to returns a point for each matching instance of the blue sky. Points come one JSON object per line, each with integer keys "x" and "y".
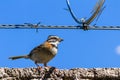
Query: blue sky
{"x": 86, "y": 49}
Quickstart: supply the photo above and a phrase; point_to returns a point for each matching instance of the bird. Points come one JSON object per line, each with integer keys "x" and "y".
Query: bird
{"x": 43, "y": 53}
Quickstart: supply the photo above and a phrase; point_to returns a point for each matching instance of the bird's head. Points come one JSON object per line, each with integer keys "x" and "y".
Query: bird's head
{"x": 54, "y": 39}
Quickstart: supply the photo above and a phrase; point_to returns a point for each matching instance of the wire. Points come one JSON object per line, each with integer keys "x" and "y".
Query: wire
{"x": 27, "y": 26}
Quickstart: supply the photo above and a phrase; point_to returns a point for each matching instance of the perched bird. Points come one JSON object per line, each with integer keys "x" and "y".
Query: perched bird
{"x": 44, "y": 52}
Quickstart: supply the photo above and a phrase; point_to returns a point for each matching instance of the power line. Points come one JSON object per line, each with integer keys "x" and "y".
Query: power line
{"x": 27, "y": 26}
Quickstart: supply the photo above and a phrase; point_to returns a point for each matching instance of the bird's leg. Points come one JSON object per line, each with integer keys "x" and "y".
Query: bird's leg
{"x": 49, "y": 68}
{"x": 38, "y": 67}
{"x": 46, "y": 67}
{"x": 45, "y": 64}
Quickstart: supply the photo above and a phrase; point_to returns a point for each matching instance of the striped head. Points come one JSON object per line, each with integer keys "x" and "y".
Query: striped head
{"x": 54, "y": 40}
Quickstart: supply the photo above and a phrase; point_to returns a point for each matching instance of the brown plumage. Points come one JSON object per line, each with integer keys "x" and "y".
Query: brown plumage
{"x": 44, "y": 52}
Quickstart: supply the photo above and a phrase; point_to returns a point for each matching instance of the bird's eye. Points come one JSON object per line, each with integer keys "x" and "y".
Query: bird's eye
{"x": 53, "y": 40}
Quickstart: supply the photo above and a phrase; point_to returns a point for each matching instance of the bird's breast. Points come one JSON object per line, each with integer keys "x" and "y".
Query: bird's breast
{"x": 54, "y": 50}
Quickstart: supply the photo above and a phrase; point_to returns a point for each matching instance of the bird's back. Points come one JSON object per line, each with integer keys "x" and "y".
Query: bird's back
{"x": 43, "y": 53}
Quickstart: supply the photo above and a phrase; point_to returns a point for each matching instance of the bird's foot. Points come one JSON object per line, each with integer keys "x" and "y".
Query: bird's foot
{"x": 52, "y": 69}
{"x": 39, "y": 67}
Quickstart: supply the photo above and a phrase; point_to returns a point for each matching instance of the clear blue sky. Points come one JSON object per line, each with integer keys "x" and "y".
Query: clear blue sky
{"x": 80, "y": 48}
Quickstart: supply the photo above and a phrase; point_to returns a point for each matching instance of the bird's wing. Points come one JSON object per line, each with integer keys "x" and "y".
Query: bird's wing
{"x": 45, "y": 46}
{"x": 36, "y": 50}
{"x": 96, "y": 11}
{"x": 71, "y": 12}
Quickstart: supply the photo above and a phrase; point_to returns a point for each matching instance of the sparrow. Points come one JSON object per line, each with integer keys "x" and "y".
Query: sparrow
{"x": 43, "y": 53}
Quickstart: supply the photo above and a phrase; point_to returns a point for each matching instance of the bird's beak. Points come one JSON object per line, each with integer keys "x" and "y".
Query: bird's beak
{"x": 61, "y": 40}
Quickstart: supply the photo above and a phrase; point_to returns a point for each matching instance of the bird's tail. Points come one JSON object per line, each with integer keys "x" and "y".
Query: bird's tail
{"x": 18, "y": 57}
